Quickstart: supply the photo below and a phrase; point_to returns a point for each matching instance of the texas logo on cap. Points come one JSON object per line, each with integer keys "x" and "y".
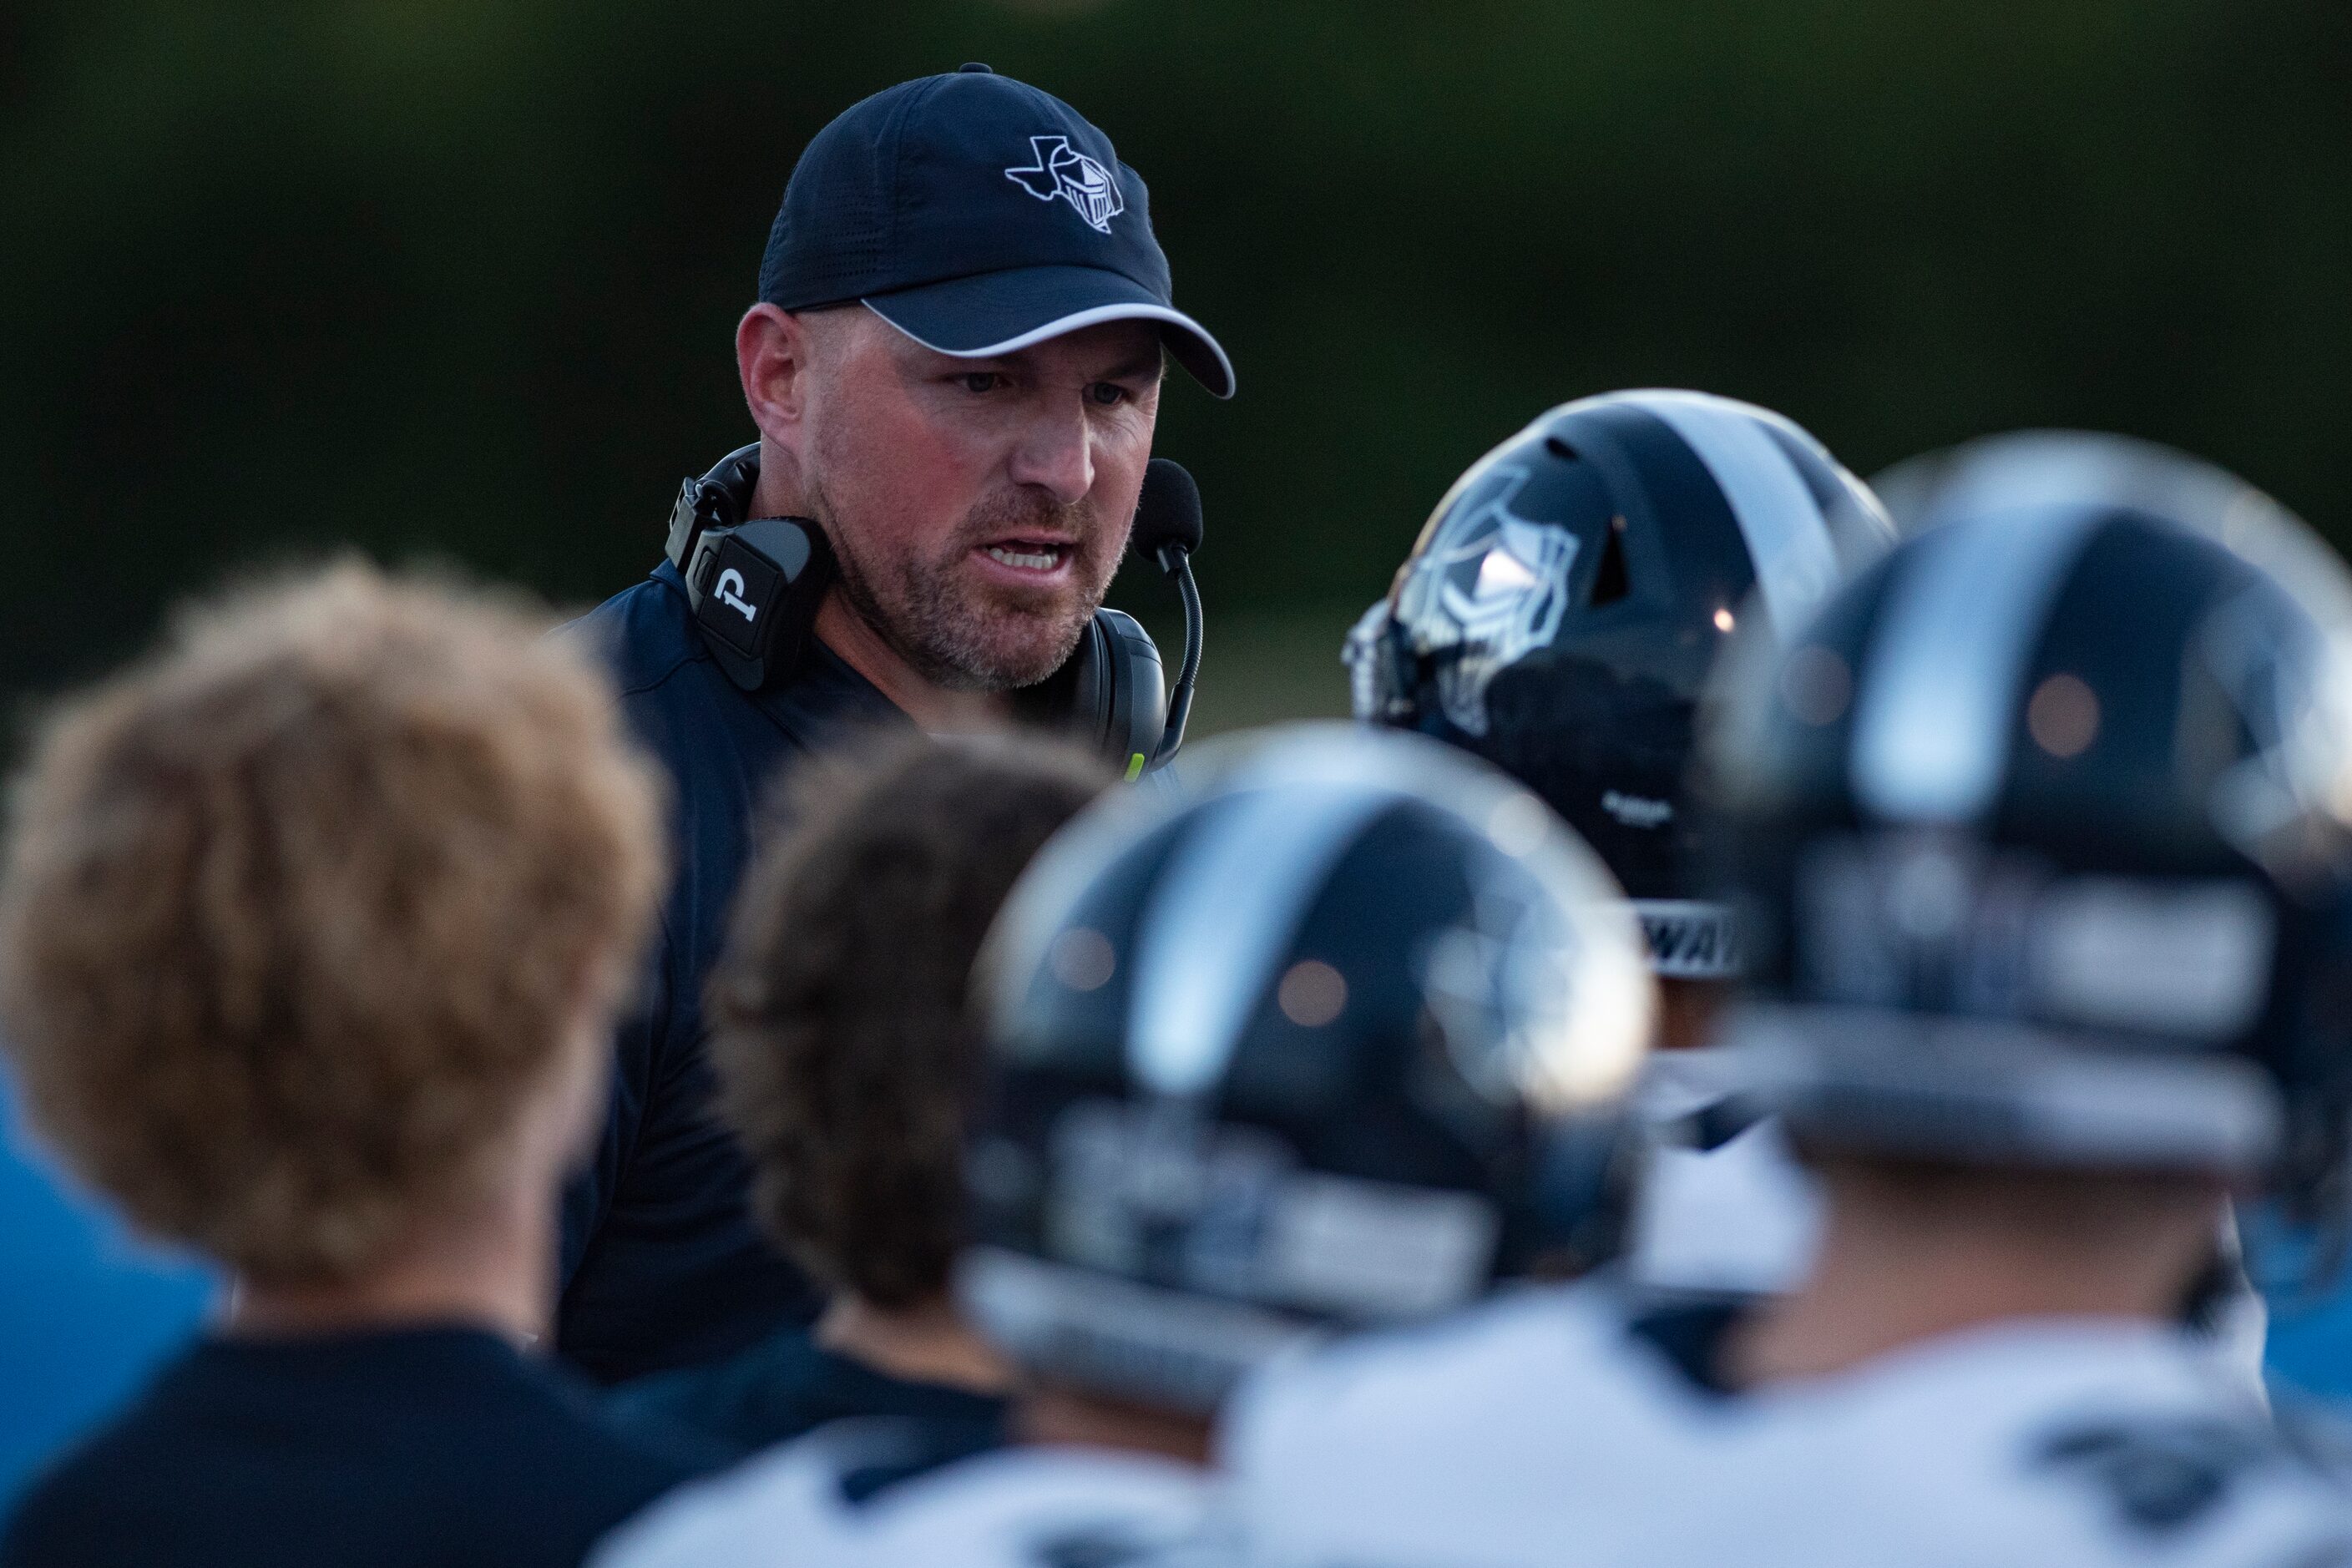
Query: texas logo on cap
{"x": 1061, "y": 170}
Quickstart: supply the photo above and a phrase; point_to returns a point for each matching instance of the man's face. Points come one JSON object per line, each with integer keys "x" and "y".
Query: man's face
{"x": 978, "y": 508}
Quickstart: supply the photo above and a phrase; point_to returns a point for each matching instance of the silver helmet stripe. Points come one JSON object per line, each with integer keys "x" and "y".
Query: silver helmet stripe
{"x": 1788, "y": 539}
{"x": 1939, "y": 693}
{"x": 1221, "y": 916}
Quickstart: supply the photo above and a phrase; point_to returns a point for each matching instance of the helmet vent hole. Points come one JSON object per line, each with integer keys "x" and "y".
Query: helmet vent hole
{"x": 1609, "y": 583}
{"x": 1559, "y": 448}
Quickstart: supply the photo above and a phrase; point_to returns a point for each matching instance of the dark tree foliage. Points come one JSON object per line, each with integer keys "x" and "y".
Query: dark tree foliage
{"x": 458, "y": 280}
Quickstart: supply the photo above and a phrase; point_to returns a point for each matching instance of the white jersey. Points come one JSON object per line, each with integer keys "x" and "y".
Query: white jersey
{"x": 1739, "y": 1217}
{"x": 1542, "y": 1429}
{"x": 801, "y": 1506}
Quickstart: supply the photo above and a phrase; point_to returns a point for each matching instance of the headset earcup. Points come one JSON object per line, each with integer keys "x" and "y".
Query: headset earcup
{"x": 1134, "y": 709}
{"x": 756, "y": 588}
{"x": 1073, "y": 700}
{"x": 1094, "y": 690}
{"x": 1109, "y": 696}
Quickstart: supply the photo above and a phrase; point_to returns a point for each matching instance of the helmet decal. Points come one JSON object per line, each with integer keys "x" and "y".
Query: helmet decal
{"x": 1690, "y": 939}
{"x": 1371, "y": 675}
{"x": 1491, "y": 589}
{"x": 1500, "y": 990}
{"x": 1564, "y": 609}
{"x": 2274, "y": 679}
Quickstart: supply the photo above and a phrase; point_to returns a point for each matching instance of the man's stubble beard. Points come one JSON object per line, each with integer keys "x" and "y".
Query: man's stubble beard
{"x": 951, "y": 641}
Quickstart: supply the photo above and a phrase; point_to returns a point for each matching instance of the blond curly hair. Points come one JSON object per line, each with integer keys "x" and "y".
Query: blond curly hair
{"x": 300, "y": 915}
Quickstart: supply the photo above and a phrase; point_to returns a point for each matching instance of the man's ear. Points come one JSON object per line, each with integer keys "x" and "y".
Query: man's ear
{"x": 772, "y": 357}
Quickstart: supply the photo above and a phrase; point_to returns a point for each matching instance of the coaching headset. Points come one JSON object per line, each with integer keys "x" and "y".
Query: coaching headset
{"x": 755, "y": 584}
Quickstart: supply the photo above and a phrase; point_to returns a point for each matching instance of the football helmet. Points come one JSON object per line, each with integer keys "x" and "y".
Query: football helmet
{"x": 1563, "y": 606}
{"x": 1336, "y": 1036}
{"x": 2041, "y": 831}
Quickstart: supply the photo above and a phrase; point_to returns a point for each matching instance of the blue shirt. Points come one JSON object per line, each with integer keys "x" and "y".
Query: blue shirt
{"x": 85, "y": 1312}
{"x": 383, "y": 1449}
{"x": 2308, "y": 1349}
{"x": 662, "y": 1267}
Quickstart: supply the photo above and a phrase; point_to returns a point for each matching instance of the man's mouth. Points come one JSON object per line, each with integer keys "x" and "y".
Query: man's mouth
{"x": 1028, "y": 555}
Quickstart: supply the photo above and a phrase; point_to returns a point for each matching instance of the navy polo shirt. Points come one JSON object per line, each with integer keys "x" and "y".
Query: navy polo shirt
{"x": 381, "y": 1449}
{"x": 662, "y": 1267}
{"x": 788, "y": 1386}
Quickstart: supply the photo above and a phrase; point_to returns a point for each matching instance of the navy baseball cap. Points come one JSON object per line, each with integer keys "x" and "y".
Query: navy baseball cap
{"x": 978, "y": 215}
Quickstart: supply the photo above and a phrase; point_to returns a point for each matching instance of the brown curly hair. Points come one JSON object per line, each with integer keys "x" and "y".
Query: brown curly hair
{"x": 845, "y": 1060}
{"x": 297, "y": 915}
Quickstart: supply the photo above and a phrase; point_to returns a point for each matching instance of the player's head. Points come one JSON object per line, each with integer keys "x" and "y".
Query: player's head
{"x": 846, "y": 1056}
{"x": 2042, "y": 826}
{"x": 1323, "y": 1045}
{"x": 1563, "y": 607}
{"x": 313, "y": 924}
{"x": 1924, "y": 490}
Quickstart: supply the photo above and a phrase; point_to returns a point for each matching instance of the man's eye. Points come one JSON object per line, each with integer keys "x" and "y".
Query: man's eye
{"x": 981, "y": 381}
{"x": 1106, "y": 394}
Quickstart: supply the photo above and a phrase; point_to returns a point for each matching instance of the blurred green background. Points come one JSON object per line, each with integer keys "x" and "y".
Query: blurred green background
{"x": 457, "y": 279}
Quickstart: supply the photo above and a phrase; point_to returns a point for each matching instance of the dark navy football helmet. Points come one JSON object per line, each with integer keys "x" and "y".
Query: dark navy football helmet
{"x": 1335, "y": 1037}
{"x": 1564, "y": 606}
{"x": 2065, "y": 466}
{"x": 2043, "y": 832}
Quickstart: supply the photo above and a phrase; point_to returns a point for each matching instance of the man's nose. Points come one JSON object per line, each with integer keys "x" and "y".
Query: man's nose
{"x": 1056, "y": 453}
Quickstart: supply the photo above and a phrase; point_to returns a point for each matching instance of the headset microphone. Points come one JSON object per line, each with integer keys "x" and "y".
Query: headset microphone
{"x": 1168, "y": 528}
